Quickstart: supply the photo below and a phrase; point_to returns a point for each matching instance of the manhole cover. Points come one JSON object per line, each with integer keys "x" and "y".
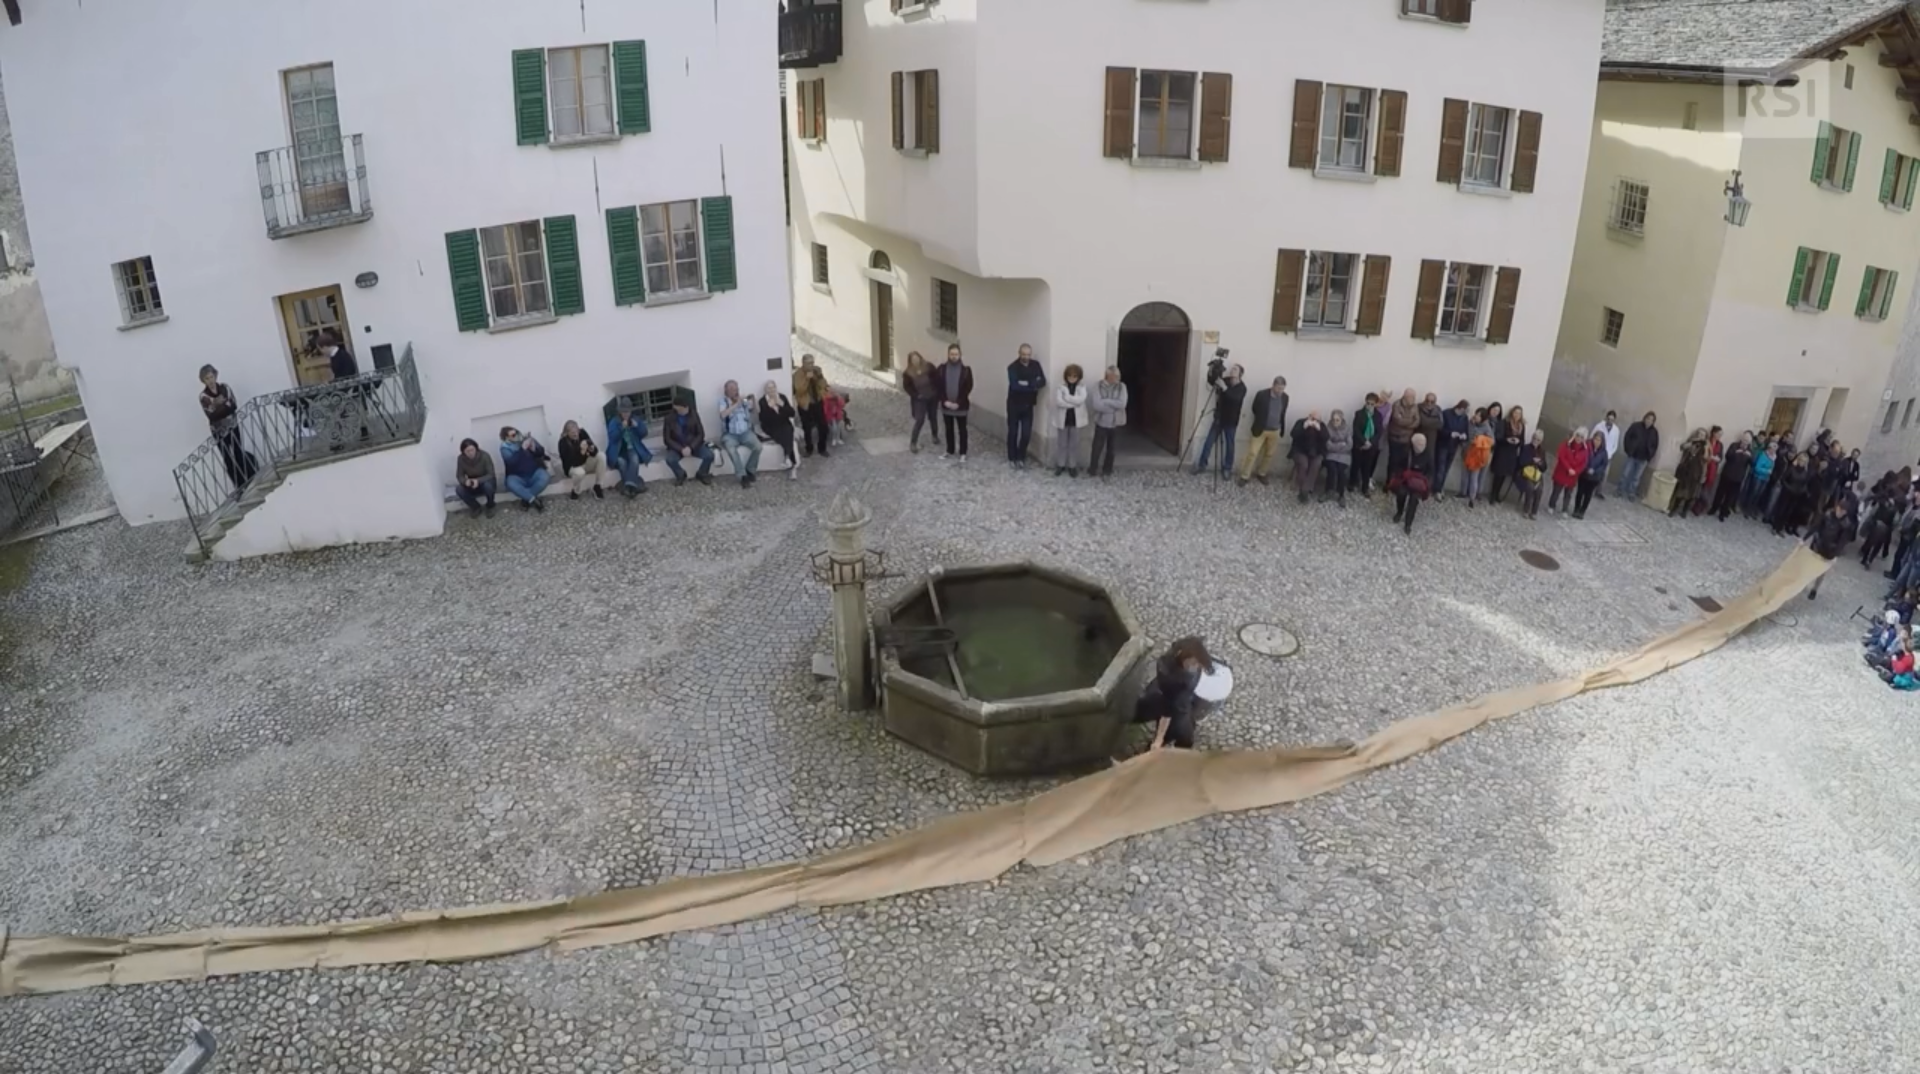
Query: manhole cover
{"x": 1539, "y": 560}
{"x": 1269, "y": 639}
{"x": 1705, "y": 604}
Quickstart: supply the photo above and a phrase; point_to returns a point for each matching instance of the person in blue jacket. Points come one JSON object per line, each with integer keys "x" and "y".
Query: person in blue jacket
{"x": 525, "y": 462}
{"x": 627, "y": 447}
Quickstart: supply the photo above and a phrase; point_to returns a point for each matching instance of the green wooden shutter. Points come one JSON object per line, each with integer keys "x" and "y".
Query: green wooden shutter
{"x": 1886, "y": 297}
{"x": 630, "y": 86}
{"x": 716, "y": 215}
{"x": 1853, "y": 160}
{"x": 1906, "y": 200}
{"x": 1826, "y": 285}
{"x": 563, "y": 265}
{"x": 530, "y": 95}
{"x": 1887, "y": 173}
{"x": 1866, "y": 292}
{"x": 623, "y": 248}
{"x": 1799, "y": 276}
{"x": 1820, "y": 147}
{"x": 469, "y": 280}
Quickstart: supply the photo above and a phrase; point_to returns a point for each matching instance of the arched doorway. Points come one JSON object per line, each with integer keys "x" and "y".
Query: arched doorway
{"x": 1155, "y": 339}
{"x": 882, "y": 312}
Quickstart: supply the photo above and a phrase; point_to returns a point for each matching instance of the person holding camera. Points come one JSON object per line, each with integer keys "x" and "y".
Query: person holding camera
{"x": 737, "y": 437}
{"x": 1229, "y": 396}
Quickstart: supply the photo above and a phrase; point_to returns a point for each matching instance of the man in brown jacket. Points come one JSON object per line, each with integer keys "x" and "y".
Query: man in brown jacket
{"x": 1404, "y": 422}
{"x": 809, "y": 398}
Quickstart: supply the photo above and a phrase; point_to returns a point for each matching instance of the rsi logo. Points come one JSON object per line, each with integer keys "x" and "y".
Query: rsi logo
{"x": 1798, "y": 104}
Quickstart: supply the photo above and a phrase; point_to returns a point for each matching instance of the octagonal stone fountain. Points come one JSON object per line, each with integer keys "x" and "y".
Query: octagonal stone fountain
{"x": 1012, "y": 669}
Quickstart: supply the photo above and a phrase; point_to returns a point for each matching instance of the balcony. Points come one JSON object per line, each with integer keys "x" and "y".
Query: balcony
{"x": 809, "y": 33}
{"x": 315, "y": 185}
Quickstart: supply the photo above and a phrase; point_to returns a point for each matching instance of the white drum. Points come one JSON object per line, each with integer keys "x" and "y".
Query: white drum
{"x": 1215, "y": 685}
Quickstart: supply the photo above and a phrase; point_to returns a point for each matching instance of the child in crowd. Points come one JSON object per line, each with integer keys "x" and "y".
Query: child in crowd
{"x": 835, "y": 408}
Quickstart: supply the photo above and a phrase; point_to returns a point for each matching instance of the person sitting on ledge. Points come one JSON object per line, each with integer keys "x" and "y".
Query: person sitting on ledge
{"x": 686, "y": 438}
{"x": 627, "y": 447}
{"x": 742, "y": 444}
{"x": 526, "y": 465}
{"x": 580, "y": 460}
{"x": 1168, "y": 702}
{"x": 473, "y": 478}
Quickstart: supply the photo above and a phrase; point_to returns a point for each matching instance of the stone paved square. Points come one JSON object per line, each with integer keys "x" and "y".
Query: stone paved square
{"x": 1712, "y": 871}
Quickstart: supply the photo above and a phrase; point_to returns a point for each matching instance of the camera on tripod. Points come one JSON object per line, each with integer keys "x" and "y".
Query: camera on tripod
{"x": 1217, "y": 368}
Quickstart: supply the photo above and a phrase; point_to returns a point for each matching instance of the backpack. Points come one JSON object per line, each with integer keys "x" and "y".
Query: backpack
{"x": 1479, "y": 452}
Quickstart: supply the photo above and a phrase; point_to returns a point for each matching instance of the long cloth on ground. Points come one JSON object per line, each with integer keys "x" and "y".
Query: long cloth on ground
{"x": 1152, "y": 791}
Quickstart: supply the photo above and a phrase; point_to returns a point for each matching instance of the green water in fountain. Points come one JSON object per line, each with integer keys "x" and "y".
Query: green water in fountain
{"x": 1014, "y": 651}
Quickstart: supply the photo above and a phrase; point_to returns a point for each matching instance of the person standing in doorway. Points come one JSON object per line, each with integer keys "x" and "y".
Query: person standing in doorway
{"x": 1642, "y": 444}
{"x": 956, "y": 391}
{"x": 1609, "y": 430}
{"x": 1069, "y": 418}
{"x": 1026, "y": 379}
{"x": 219, "y": 406}
{"x": 1263, "y": 436}
{"x": 810, "y": 399}
{"x": 1230, "y": 395}
{"x": 350, "y": 400}
{"x": 1108, "y": 401}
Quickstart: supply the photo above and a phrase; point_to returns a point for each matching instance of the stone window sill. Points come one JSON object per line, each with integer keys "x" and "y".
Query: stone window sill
{"x": 675, "y": 298}
{"x": 517, "y": 323}
{"x": 573, "y": 140}
{"x": 915, "y": 152}
{"x": 823, "y": 288}
{"x": 1802, "y": 307}
{"x": 1326, "y": 335}
{"x": 1892, "y": 208}
{"x": 1177, "y": 163}
{"x": 1431, "y": 19}
{"x": 1484, "y": 191}
{"x": 1462, "y": 343}
{"x": 916, "y": 12}
{"x": 144, "y": 322}
{"x": 944, "y": 335}
{"x": 1620, "y": 234}
{"x": 1344, "y": 175}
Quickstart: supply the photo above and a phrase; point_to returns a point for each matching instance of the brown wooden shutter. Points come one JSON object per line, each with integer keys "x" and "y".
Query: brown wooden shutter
{"x": 1426, "y": 300}
{"x": 800, "y": 112}
{"x": 1287, "y": 277}
{"x": 1119, "y": 120}
{"x": 1373, "y": 295}
{"x": 899, "y": 110}
{"x": 1526, "y": 153}
{"x": 820, "y": 108}
{"x": 1506, "y": 289}
{"x": 1460, "y": 11}
{"x": 896, "y": 5}
{"x": 1216, "y": 116}
{"x": 1453, "y": 140}
{"x": 1306, "y": 124}
{"x": 928, "y": 92}
{"x": 1393, "y": 132}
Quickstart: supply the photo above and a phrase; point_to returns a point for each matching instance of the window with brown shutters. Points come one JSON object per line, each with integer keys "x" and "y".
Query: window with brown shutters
{"x": 1287, "y": 276}
{"x": 1305, "y": 146}
{"x": 1526, "y": 153}
{"x": 1164, "y": 115}
{"x": 916, "y": 111}
{"x": 1488, "y": 147}
{"x": 1426, "y": 299}
{"x": 811, "y": 104}
{"x": 1117, "y": 132}
{"x": 1506, "y": 291}
{"x": 1342, "y": 130}
{"x": 1216, "y": 116}
{"x": 1373, "y": 295}
{"x": 1453, "y": 139}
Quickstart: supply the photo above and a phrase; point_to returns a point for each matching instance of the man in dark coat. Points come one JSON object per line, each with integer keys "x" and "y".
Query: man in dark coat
{"x": 1641, "y": 445}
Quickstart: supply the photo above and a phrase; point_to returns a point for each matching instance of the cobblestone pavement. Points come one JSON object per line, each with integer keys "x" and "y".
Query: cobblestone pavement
{"x": 1714, "y": 871}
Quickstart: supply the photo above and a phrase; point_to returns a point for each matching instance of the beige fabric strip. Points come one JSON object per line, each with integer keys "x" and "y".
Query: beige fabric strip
{"x": 1145, "y": 794}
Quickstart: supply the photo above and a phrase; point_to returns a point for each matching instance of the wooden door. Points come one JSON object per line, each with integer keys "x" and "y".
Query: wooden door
{"x": 305, "y": 316}
{"x": 319, "y": 155}
{"x": 882, "y": 325}
{"x": 1784, "y": 416}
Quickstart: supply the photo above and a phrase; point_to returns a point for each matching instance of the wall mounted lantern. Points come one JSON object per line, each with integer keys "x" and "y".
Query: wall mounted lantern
{"x": 1737, "y": 204}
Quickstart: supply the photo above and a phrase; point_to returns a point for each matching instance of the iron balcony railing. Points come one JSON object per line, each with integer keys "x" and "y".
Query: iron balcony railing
{"x": 314, "y": 185}
{"x": 809, "y": 33}
{"x": 309, "y": 426}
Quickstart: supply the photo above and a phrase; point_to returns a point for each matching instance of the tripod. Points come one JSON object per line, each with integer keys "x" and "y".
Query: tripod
{"x": 1204, "y": 420}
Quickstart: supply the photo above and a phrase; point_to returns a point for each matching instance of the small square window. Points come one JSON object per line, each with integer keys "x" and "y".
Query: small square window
{"x": 1463, "y": 300}
{"x": 946, "y": 307}
{"x": 820, "y": 264}
{"x": 670, "y": 248}
{"x": 1611, "y": 322}
{"x": 1165, "y": 123}
{"x": 1629, "y": 207}
{"x": 1690, "y": 116}
{"x": 1848, "y": 82}
{"x": 918, "y": 111}
{"x": 1346, "y": 126}
{"x": 515, "y": 257}
{"x": 1327, "y": 290}
{"x": 1488, "y": 133}
{"x": 139, "y": 291}
{"x": 580, "y": 92}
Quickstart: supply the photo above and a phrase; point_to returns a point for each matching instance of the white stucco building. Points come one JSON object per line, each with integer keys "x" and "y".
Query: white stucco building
{"x": 570, "y": 200}
{"x": 1789, "y": 319}
{"x": 1363, "y": 195}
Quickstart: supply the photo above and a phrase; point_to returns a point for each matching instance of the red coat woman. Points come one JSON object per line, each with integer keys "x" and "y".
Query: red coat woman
{"x": 1570, "y": 463}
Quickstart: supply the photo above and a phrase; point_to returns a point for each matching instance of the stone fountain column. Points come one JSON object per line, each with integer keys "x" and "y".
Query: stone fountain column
{"x": 846, "y": 524}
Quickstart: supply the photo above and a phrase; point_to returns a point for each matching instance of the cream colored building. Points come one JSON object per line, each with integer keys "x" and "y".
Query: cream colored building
{"x": 1788, "y": 320}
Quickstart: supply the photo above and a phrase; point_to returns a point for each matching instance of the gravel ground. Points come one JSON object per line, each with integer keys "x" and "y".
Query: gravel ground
{"x": 1714, "y": 871}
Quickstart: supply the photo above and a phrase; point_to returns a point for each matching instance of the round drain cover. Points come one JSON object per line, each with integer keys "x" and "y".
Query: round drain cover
{"x": 1539, "y": 560}
{"x": 1269, "y": 639}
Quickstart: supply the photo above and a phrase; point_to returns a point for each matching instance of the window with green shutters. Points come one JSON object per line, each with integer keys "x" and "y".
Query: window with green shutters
{"x": 671, "y": 251}
{"x": 1836, "y": 156}
{"x": 513, "y": 274}
{"x": 1876, "y": 294}
{"x": 582, "y": 93}
{"x": 1814, "y": 273}
{"x": 1897, "y": 176}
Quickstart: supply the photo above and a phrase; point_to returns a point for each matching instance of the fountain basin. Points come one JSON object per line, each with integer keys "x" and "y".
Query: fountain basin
{"x": 1041, "y": 673}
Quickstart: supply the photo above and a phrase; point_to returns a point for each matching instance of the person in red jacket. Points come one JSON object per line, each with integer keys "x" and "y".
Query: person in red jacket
{"x": 1568, "y": 465}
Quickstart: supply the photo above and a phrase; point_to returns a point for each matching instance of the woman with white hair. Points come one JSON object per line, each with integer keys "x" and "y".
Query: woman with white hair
{"x": 1568, "y": 464}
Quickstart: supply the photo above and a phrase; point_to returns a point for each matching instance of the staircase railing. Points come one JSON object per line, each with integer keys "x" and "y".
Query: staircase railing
{"x": 306, "y": 426}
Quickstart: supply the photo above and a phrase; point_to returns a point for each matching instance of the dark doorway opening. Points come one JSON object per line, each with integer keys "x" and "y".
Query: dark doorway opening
{"x": 1155, "y": 341}
{"x": 882, "y": 313}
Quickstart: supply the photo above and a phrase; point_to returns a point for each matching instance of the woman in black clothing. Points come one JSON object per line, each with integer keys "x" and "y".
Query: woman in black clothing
{"x": 1791, "y": 511}
{"x": 218, "y": 404}
{"x": 1508, "y": 439}
{"x": 1168, "y": 702}
{"x": 776, "y": 420}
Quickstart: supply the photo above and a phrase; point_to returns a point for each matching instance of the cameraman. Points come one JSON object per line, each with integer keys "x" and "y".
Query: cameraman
{"x": 1230, "y": 394}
